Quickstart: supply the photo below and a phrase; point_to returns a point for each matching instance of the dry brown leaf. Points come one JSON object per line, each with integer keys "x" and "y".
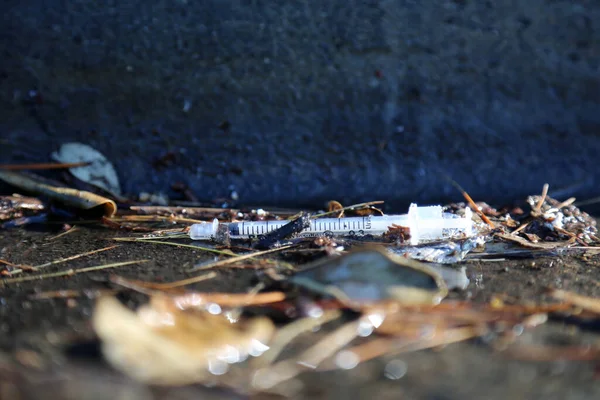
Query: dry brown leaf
{"x": 161, "y": 345}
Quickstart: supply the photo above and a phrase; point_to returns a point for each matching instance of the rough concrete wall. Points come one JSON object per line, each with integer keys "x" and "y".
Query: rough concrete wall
{"x": 346, "y": 99}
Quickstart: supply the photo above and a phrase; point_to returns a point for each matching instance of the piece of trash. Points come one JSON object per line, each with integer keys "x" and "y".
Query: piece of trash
{"x": 424, "y": 223}
{"x": 99, "y": 172}
{"x": 559, "y": 220}
{"x": 443, "y": 253}
{"x": 160, "y": 344}
{"x": 70, "y": 197}
{"x": 12, "y": 207}
{"x": 287, "y": 231}
{"x": 372, "y": 275}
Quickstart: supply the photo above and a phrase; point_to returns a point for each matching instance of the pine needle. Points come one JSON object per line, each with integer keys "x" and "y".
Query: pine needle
{"x": 352, "y": 207}
{"x": 43, "y": 166}
{"x": 188, "y": 246}
{"x": 471, "y": 203}
{"x": 62, "y": 260}
{"x": 73, "y": 229}
{"x": 239, "y": 258}
{"x": 135, "y": 284}
{"x": 69, "y": 272}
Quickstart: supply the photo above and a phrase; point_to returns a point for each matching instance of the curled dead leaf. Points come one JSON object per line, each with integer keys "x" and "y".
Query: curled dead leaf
{"x": 70, "y": 197}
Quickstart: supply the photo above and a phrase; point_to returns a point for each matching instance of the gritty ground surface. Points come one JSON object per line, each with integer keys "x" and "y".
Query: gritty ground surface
{"x": 34, "y": 331}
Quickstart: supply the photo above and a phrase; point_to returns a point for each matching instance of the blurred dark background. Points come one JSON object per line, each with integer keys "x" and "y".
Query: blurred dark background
{"x": 291, "y": 103}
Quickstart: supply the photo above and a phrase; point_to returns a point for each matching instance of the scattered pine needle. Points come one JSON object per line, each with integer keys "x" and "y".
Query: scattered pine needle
{"x": 538, "y": 206}
{"x": 188, "y": 246}
{"x": 43, "y": 166}
{"x": 289, "y": 332}
{"x": 566, "y": 203}
{"x": 155, "y": 218}
{"x": 135, "y": 284}
{"x": 352, "y": 207}
{"x": 62, "y": 260}
{"x": 470, "y": 201}
{"x": 71, "y": 230}
{"x": 69, "y": 272}
{"x": 194, "y": 299}
{"x": 587, "y": 303}
{"x": 239, "y": 258}
{"x": 71, "y": 293}
{"x": 384, "y": 346}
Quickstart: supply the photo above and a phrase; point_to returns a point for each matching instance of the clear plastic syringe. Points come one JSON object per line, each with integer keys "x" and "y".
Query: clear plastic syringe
{"x": 424, "y": 224}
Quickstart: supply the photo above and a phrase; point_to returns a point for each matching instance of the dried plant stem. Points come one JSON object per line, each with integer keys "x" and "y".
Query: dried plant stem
{"x": 188, "y": 246}
{"x": 69, "y": 272}
{"x": 19, "y": 167}
{"x": 538, "y": 206}
{"x": 240, "y": 258}
{"x": 62, "y": 260}
{"x": 352, "y": 207}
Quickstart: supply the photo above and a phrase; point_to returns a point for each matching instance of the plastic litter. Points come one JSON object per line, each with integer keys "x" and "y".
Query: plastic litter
{"x": 446, "y": 252}
{"x": 426, "y": 223}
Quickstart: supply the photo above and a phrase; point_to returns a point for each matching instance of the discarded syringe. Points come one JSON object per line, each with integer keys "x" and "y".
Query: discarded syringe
{"x": 424, "y": 224}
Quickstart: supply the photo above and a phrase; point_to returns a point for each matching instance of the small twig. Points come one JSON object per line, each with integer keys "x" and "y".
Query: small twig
{"x": 291, "y": 331}
{"x": 188, "y": 246}
{"x": 381, "y": 346}
{"x": 73, "y": 229}
{"x": 69, "y": 272}
{"x": 538, "y": 206}
{"x": 352, "y": 207}
{"x": 70, "y": 293}
{"x": 131, "y": 283}
{"x": 19, "y": 167}
{"x": 541, "y": 245}
{"x": 566, "y": 203}
{"x": 587, "y": 303}
{"x": 194, "y": 299}
{"x": 239, "y": 258}
{"x": 471, "y": 203}
{"x": 155, "y": 218}
{"x": 62, "y": 260}
{"x": 520, "y": 228}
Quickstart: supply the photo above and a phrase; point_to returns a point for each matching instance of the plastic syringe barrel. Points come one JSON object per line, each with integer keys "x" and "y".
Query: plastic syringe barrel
{"x": 424, "y": 223}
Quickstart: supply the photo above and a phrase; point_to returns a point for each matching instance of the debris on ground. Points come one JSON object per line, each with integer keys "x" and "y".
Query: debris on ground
{"x": 17, "y": 207}
{"x": 370, "y": 275}
{"x": 355, "y": 283}
{"x": 78, "y": 199}
{"x": 98, "y": 171}
{"x": 163, "y": 344}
